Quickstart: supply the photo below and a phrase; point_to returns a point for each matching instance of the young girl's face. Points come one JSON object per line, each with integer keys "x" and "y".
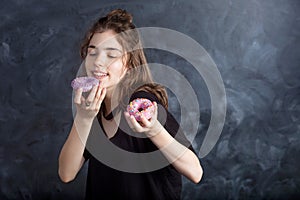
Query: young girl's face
{"x": 105, "y": 60}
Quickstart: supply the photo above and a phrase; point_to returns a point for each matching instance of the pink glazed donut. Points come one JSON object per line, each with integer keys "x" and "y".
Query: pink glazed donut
{"x": 86, "y": 83}
{"x": 141, "y": 106}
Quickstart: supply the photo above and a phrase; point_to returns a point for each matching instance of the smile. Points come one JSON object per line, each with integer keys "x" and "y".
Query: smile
{"x": 99, "y": 75}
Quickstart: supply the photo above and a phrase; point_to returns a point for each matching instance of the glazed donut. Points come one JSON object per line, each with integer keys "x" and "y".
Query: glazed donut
{"x": 86, "y": 83}
{"x": 140, "y": 106}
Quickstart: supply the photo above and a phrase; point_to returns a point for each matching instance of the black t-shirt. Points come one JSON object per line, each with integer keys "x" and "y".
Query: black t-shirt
{"x": 104, "y": 182}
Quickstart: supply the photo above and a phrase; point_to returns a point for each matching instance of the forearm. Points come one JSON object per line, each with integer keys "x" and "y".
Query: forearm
{"x": 182, "y": 158}
{"x": 71, "y": 155}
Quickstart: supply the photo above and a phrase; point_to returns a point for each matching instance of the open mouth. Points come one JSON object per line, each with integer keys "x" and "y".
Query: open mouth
{"x": 100, "y": 75}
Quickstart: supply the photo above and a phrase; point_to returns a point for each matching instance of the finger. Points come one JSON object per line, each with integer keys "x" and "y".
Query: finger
{"x": 98, "y": 93}
{"x": 77, "y": 96}
{"x": 92, "y": 94}
{"x": 149, "y": 122}
{"x": 102, "y": 93}
{"x": 83, "y": 102}
{"x": 127, "y": 117}
{"x": 135, "y": 124}
{"x": 145, "y": 121}
{"x": 97, "y": 96}
{"x": 155, "y": 110}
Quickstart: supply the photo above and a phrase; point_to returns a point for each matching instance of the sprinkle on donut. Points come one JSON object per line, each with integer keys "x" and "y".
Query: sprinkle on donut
{"x": 86, "y": 83}
{"x": 140, "y": 106}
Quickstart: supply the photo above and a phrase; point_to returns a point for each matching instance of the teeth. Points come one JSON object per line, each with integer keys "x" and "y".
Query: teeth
{"x": 99, "y": 74}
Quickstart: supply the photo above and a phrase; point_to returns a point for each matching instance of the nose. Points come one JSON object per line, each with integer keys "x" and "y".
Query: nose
{"x": 100, "y": 60}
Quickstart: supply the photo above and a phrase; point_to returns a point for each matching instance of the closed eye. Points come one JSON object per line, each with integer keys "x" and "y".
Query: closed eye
{"x": 112, "y": 56}
{"x": 92, "y": 52}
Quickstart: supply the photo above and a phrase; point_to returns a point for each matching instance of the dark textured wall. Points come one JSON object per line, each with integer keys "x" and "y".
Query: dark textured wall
{"x": 255, "y": 45}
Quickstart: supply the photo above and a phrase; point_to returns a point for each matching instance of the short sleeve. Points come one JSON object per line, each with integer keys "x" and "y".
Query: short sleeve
{"x": 166, "y": 119}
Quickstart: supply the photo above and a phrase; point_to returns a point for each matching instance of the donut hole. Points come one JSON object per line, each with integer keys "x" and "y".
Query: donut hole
{"x": 140, "y": 109}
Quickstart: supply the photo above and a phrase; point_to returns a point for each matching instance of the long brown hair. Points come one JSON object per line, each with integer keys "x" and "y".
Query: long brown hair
{"x": 138, "y": 76}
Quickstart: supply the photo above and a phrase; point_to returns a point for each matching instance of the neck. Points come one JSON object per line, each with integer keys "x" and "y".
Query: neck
{"x": 110, "y": 102}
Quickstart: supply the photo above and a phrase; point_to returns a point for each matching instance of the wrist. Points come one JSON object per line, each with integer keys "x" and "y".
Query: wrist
{"x": 83, "y": 120}
{"x": 155, "y": 130}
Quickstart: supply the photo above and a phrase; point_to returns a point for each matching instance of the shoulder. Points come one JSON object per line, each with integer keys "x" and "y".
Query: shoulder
{"x": 144, "y": 94}
{"x": 165, "y": 117}
{"x": 153, "y": 92}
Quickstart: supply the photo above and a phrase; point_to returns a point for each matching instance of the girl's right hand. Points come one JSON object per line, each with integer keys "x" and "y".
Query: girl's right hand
{"x": 88, "y": 108}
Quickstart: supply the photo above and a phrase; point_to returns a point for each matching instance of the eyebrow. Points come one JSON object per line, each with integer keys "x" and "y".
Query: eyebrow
{"x": 107, "y": 48}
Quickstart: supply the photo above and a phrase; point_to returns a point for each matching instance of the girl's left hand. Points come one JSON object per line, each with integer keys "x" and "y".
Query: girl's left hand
{"x": 150, "y": 127}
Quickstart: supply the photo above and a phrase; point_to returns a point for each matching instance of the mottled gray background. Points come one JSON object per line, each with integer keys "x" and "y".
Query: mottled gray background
{"x": 255, "y": 45}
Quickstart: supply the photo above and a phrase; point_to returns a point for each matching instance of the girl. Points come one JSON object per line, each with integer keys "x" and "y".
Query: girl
{"x": 116, "y": 59}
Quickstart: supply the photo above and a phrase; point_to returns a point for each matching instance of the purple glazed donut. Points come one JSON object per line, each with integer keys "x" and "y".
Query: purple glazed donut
{"x": 86, "y": 83}
{"x": 141, "y": 106}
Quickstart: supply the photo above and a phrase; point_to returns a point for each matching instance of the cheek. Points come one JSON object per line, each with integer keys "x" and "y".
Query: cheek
{"x": 87, "y": 66}
{"x": 117, "y": 68}
{"x": 89, "y": 62}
